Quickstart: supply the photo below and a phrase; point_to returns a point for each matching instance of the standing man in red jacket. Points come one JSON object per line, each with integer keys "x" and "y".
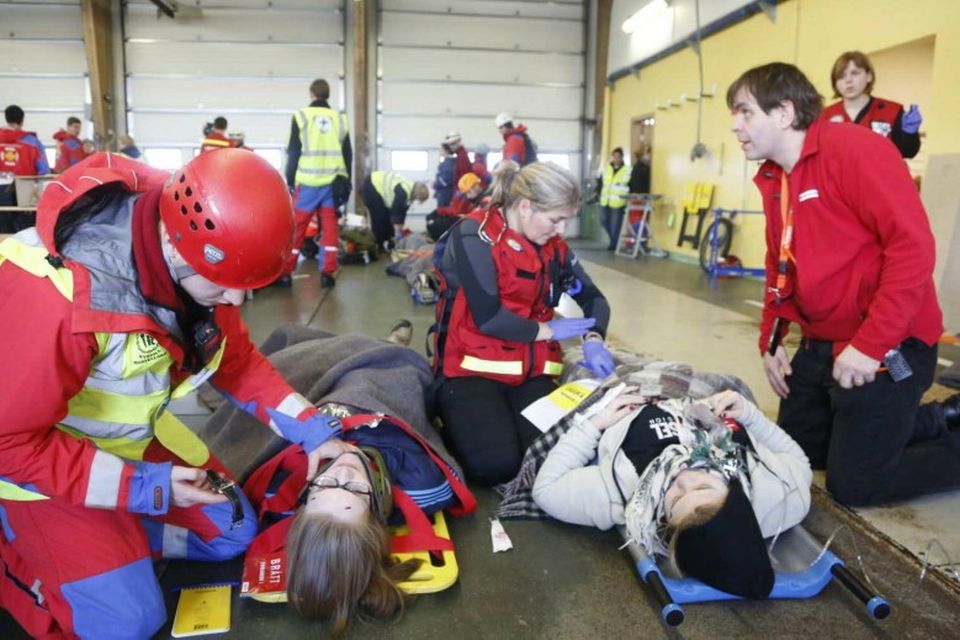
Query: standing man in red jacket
{"x": 21, "y": 154}
{"x": 70, "y": 149}
{"x": 517, "y": 145}
{"x": 850, "y": 259}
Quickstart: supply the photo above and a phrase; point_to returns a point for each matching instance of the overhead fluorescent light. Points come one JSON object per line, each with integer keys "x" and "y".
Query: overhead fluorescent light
{"x": 650, "y": 11}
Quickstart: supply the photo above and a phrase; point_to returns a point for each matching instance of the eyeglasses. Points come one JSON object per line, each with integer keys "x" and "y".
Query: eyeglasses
{"x": 353, "y": 486}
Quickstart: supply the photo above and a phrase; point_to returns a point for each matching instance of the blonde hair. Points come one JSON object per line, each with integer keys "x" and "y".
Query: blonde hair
{"x": 546, "y": 185}
{"x": 341, "y": 570}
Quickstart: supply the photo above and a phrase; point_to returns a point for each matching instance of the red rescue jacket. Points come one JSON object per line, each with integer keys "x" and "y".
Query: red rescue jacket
{"x": 16, "y": 157}
{"x": 523, "y": 283}
{"x": 880, "y": 116}
{"x": 69, "y": 150}
{"x": 215, "y": 141}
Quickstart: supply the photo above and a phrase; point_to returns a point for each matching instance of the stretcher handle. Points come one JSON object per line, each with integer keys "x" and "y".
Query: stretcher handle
{"x": 877, "y": 606}
{"x": 670, "y": 612}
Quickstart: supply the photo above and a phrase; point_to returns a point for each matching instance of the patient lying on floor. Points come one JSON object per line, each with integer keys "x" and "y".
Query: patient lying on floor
{"x": 699, "y": 482}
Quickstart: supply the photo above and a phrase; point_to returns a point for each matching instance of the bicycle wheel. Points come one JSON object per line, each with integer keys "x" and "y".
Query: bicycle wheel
{"x": 713, "y": 250}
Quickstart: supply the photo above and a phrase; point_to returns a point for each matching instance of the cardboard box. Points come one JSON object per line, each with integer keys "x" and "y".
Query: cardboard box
{"x": 29, "y": 189}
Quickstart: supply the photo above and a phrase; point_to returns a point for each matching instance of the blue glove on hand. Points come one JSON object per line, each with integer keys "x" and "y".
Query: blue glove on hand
{"x": 566, "y": 328}
{"x": 310, "y": 432}
{"x": 598, "y": 358}
{"x": 910, "y": 122}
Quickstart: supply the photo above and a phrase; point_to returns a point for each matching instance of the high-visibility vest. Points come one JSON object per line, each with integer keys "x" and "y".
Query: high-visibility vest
{"x": 322, "y": 131}
{"x": 386, "y": 182}
{"x": 122, "y": 405}
{"x": 523, "y": 282}
{"x": 616, "y": 186}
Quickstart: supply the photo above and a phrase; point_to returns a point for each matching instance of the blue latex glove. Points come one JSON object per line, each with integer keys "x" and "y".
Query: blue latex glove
{"x": 598, "y": 358}
{"x": 566, "y": 328}
{"x": 910, "y": 123}
{"x": 309, "y": 433}
{"x": 575, "y": 288}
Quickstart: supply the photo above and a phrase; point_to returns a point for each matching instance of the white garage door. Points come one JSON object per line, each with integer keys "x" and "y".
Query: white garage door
{"x": 42, "y": 66}
{"x": 251, "y": 64}
{"x": 453, "y": 65}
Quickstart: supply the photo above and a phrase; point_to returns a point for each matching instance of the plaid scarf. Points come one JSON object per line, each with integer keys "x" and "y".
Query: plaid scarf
{"x": 654, "y": 377}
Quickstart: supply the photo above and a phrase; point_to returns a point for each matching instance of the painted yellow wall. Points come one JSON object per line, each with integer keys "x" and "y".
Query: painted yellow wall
{"x": 808, "y": 33}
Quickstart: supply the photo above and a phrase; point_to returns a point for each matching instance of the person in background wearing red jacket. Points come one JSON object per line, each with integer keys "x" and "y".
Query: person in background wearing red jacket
{"x": 850, "y": 259}
{"x": 852, "y": 79}
{"x": 517, "y": 145}
{"x": 479, "y": 166}
{"x": 469, "y": 196}
{"x": 126, "y": 294}
{"x": 216, "y": 137}
{"x": 21, "y": 154}
{"x": 461, "y": 159}
{"x": 70, "y": 149}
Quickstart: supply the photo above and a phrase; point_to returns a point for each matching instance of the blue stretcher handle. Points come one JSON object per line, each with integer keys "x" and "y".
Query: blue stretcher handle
{"x": 670, "y": 612}
{"x": 877, "y": 607}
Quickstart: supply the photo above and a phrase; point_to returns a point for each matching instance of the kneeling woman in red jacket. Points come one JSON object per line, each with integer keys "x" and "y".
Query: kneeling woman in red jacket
{"x": 503, "y": 270}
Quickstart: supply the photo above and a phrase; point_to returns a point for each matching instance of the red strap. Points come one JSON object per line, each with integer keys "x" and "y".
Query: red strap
{"x": 294, "y": 461}
{"x": 421, "y": 536}
{"x": 271, "y": 539}
{"x": 786, "y": 237}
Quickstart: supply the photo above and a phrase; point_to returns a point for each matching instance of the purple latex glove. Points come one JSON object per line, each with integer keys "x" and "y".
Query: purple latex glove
{"x": 597, "y": 358}
{"x": 566, "y": 328}
{"x": 910, "y": 122}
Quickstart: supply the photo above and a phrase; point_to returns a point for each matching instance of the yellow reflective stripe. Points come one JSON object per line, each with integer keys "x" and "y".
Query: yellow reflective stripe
{"x": 201, "y": 376}
{"x": 33, "y": 261}
{"x": 11, "y": 491}
{"x": 180, "y": 440}
{"x": 213, "y": 142}
{"x": 124, "y": 447}
{"x": 552, "y": 368}
{"x": 107, "y": 407}
{"x": 504, "y": 367}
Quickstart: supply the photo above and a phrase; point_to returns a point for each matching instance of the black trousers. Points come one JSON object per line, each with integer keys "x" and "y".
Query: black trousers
{"x": 380, "y": 222}
{"x": 483, "y": 425}
{"x": 877, "y": 442}
{"x": 13, "y": 222}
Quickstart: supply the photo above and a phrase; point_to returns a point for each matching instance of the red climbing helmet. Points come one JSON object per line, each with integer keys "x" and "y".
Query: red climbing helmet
{"x": 229, "y": 214}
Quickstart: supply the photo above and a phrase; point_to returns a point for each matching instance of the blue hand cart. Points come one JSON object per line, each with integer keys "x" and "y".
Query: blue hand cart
{"x": 715, "y": 245}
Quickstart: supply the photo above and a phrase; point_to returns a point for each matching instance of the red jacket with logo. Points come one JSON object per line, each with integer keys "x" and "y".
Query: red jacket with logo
{"x": 862, "y": 242}
{"x": 880, "y": 116}
{"x": 523, "y": 283}
{"x": 49, "y": 341}
{"x": 17, "y": 157}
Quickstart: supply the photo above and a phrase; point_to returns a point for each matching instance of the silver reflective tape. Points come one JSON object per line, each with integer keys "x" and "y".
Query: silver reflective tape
{"x": 103, "y": 429}
{"x": 314, "y": 154}
{"x": 293, "y": 405}
{"x": 103, "y": 488}
{"x": 321, "y": 172}
{"x": 174, "y": 541}
{"x": 143, "y": 385}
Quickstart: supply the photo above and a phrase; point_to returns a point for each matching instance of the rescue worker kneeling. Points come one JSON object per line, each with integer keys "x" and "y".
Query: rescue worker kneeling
{"x": 503, "y": 269}
{"x": 124, "y": 296}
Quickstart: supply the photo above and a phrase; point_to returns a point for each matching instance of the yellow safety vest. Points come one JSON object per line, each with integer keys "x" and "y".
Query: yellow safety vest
{"x": 322, "y": 131}
{"x": 122, "y": 405}
{"x": 616, "y": 187}
{"x": 385, "y": 182}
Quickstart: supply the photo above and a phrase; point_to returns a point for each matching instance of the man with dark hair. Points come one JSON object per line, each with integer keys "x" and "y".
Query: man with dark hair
{"x": 70, "y": 149}
{"x": 216, "y": 137}
{"x": 319, "y": 156}
{"x": 21, "y": 154}
{"x": 850, "y": 259}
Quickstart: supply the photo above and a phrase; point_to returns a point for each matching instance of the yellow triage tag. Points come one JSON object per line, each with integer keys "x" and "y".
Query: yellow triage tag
{"x": 202, "y": 610}
{"x": 547, "y": 411}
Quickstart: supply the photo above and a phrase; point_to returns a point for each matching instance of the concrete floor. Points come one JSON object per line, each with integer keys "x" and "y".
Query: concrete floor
{"x": 561, "y": 581}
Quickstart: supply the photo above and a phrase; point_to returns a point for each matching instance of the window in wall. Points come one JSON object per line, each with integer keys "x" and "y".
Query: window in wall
{"x": 561, "y": 159}
{"x": 493, "y": 159}
{"x": 273, "y": 156}
{"x": 163, "y": 158}
{"x": 51, "y": 153}
{"x": 408, "y": 160}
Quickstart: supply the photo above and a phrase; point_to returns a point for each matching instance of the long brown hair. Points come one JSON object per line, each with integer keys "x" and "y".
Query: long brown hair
{"x": 339, "y": 570}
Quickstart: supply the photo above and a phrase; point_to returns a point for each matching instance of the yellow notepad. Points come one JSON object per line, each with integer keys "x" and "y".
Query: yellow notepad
{"x": 202, "y": 609}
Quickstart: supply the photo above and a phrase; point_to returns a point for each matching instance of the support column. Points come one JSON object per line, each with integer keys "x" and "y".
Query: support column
{"x": 362, "y": 10}
{"x": 98, "y": 45}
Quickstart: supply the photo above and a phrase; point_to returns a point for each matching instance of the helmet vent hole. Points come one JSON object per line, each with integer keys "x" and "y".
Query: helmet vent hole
{"x": 183, "y": 210}
{"x": 182, "y": 178}
{"x": 193, "y": 226}
{"x": 188, "y": 192}
{"x": 176, "y": 195}
{"x": 197, "y": 207}
{"x": 208, "y": 223}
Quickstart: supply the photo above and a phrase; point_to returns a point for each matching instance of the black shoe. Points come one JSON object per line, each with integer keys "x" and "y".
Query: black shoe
{"x": 283, "y": 281}
{"x": 951, "y": 411}
{"x": 401, "y": 332}
{"x": 327, "y": 281}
